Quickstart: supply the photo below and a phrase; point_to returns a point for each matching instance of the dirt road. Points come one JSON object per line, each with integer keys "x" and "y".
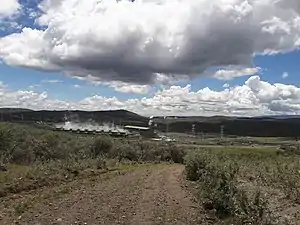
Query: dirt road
{"x": 145, "y": 196}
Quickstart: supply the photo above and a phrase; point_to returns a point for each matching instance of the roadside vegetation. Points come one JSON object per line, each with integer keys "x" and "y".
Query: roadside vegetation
{"x": 32, "y": 158}
{"x": 247, "y": 187}
{"x": 237, "y": 185}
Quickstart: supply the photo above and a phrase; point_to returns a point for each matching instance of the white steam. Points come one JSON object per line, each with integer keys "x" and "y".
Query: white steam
{"x": 105, "y": 127}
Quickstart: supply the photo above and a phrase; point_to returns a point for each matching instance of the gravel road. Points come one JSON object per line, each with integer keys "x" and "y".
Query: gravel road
{"x": 145, "y": 196}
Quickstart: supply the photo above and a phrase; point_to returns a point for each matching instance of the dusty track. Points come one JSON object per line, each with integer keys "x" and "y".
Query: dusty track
{"x": 146, "y": 196}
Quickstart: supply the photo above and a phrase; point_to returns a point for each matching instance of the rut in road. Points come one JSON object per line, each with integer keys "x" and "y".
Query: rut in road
{"x": 145, "y": 196}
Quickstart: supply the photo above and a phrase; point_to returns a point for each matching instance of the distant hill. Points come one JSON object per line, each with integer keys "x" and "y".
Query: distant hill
{"x": 111, "y": 116}
{"x": 15, "y": 110}
{"x": 280, "y": 126}
{"x": 239, "y": 126}
{"x": 212, "y": 119}
{"x": 281, "y": 117}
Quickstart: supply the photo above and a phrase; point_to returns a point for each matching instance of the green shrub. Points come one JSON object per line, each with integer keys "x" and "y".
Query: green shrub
{"x": 253, "y": 210}
{"x": 146, "y": 150}
{"x": 6, "y": 144}
{"x": 195, "y": 165}
{"x": 220, "y": 189}
{"x": 101, "y": 146}
{"x": 177, "y": 155}
{"x": 6, "y": 139}
{"x": 46, "y": 151}
{"x": 101, "y": 163}
{"x": 221, "y": 192}
{"x": 125, "y": 152}
{"x": 23, "y": 156}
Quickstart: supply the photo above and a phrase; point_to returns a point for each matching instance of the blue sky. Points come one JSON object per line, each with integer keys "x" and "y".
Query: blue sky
{"x": 18, "y": 78}
{"x": 22, "y": 78}
{"x": 33, "y": 41}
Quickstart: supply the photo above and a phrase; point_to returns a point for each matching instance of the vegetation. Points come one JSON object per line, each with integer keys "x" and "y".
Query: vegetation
{"x": 238, "y": 184}
{"x": 246, "y": 188}
{"x": 31, "y": 158}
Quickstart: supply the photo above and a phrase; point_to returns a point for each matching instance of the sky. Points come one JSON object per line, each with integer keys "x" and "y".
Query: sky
{"x": 152, "y": 57}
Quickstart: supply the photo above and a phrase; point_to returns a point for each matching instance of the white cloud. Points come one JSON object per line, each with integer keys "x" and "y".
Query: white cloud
{"x": 226, "y": 85}
{"x": 32, "y": 13}
{"x": 8, "y": 8}
{"x": 52, "y": 81}
{"x": 132, "y": 42}
{"x": 116, "y": 85}
{"x": 130, "y": 88}
{"x": 254, "y": 98}
{"x": 34, "y": 86}
{"x": 285, "y": 75}
{"x": 229, "y": 74}
{"x": 2, "y": 85}
{"x": 76, "y": 86}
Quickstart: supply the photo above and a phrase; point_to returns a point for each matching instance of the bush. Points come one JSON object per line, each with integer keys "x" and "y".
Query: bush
{"x": 146, "y": 151}
{"x": 195, "y": 165}
{"x": 6, "y": 144}
{"x": 6, "y": 139}
{"x": 177, "y": 155}
{"x": 101, "y": 146}
{"x": 220, "y": 189}
{"x": 253, "y": 210}
{"x": 101, "y": 163}
{"x": 125, "y": 152}
{"x": 48, "y": 148}
{"x": 22, "y": 156}
{"x": 221, "y": 192}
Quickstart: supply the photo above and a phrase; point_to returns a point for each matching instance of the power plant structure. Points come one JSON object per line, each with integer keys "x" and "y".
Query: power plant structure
{"x": 94, "y": 132}
{"x": 106, "y": 129}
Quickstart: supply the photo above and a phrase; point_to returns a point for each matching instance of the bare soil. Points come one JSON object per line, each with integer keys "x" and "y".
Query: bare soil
{"x": 149, "y": 195}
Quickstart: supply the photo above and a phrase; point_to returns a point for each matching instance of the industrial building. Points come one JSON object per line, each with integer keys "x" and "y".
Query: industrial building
{"x": 112, "y": 130}
{"x": 143, "y": 131}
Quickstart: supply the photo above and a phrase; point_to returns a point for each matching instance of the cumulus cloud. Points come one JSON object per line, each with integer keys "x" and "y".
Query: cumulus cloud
{"x": 117, "y": 85}
{"x": 129, "y": 88}
{"x": 8, "y": 8}
{"x": 126, "y": 87}
{"x": 229, "y": 74}
{"x": 254, "y": 98}
{"x": 34, "y": 86}
{"x": 226, "y": 85}
{"x": 138, "y": 41}
{"x": 285, "y": 75}
{"x": 52, "y": 81}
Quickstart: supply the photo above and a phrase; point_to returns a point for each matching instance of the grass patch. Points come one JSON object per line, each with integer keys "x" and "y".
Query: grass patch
{"x": 20, "y": 208}
{"x": 245, "y": 150}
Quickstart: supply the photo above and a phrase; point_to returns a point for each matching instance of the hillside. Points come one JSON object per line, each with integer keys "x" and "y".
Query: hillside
{"x": 114, "y": 116}
{"x": 14, "y": 110}
{"x": 283, "y": 126}
{"x": 261, "y": 127}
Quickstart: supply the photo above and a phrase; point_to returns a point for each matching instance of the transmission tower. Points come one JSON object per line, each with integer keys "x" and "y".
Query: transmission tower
{"x": 167, "y": 124}
{"x": 193, "y": 130}
{"x": 222, "y": 132}
{"x": 202, "y": 135}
